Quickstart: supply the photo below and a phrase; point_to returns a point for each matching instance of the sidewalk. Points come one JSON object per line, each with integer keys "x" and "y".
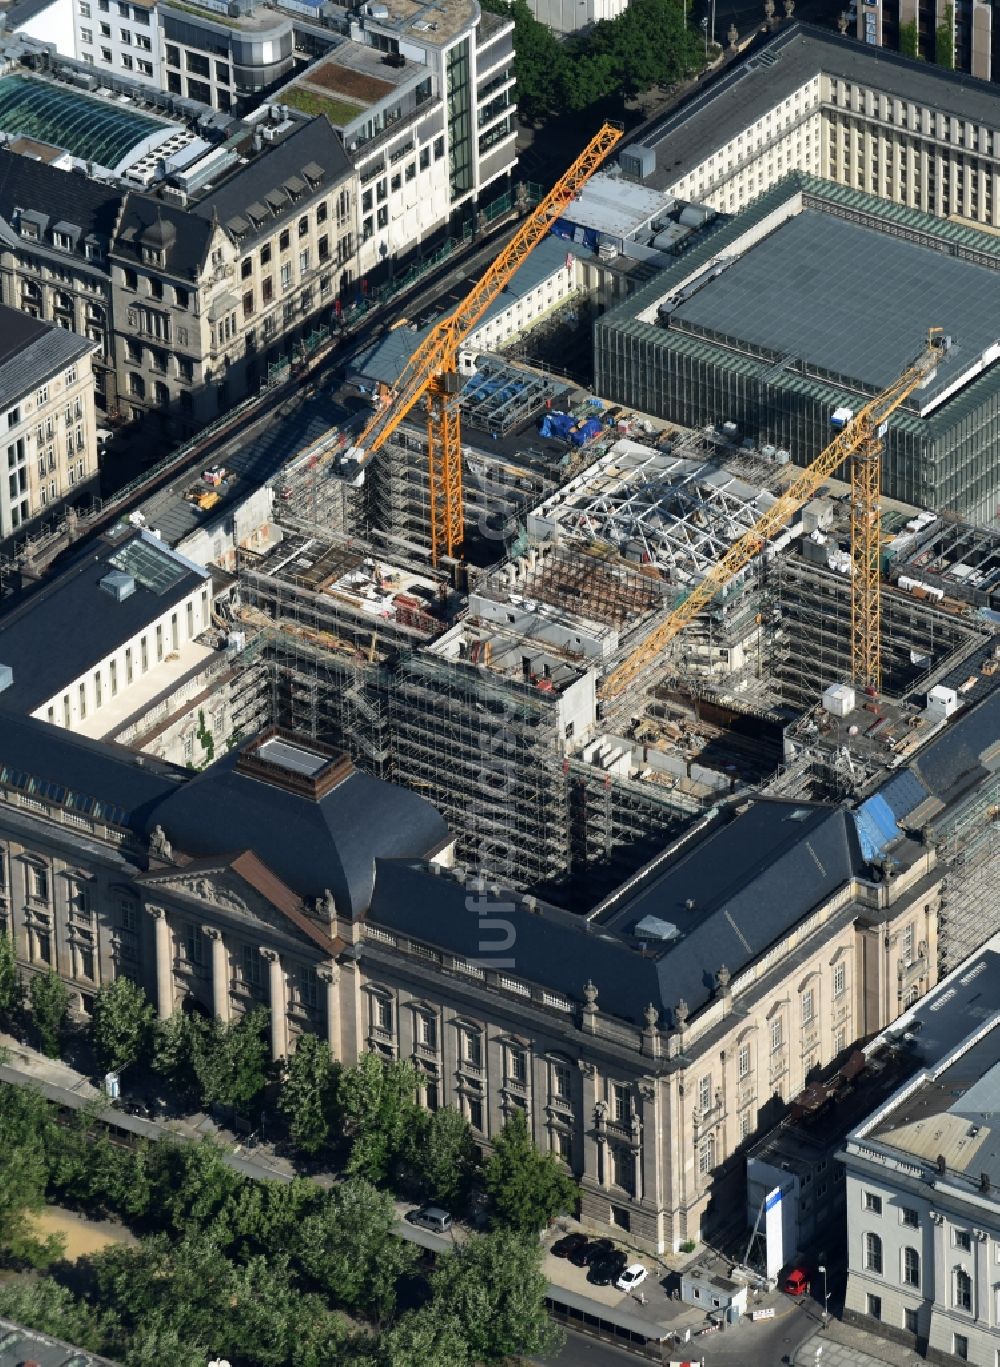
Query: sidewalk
{"x": 845, "y": 1346}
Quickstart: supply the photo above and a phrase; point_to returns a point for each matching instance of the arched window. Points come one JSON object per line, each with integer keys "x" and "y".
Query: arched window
{"x": 911, "y": 1267}
{"x": 873, "y": 1253}
{"x": 963, "y": 1289}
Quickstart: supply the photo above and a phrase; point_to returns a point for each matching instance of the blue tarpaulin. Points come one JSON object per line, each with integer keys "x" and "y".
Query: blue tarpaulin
{"x": 556, "y": 425}
{"x": 585, "y": 431}
{"x": 876, "y": 827}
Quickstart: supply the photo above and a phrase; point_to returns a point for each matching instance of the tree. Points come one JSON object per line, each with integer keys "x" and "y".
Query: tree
{"x": 11, "y": 991}
{"x": 195, "y": 1189}
{"x": 49, "y": 1009}
{"x": 944, "y": 39}
{"x": 350, "y": 1250}
{"x": 909, "y": 40}
{"x": 267, "y": 1215}
{"x": 423, "y": 1338}
{"x": 173, "y": 1049}
{"x": 528, "y": 1188}
{"x": 43, "y": 1304}
{"x": 122, "y": 1023}
{"x": 308, "y": 1092}
{"x": 231, "y": 1060}
{"x": 441, "y": 1154}
{"x": 377, "y": 1103}
{"x": 492, "y": 1287}
{"x": 538, "y": 60}
{"x": 25, "y": 1131}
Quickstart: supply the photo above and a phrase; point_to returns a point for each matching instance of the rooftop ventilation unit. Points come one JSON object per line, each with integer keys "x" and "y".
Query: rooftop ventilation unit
{"x": 119, "y": 585}
{"x": 638, "y": 163}
{"x": 653, "y": 928}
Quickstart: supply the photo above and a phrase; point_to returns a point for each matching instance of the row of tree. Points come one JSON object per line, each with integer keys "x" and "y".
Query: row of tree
{"x": 368, "y": 1115}
{"x": 264, "y": 1273}
{"x": 648, "y": 45}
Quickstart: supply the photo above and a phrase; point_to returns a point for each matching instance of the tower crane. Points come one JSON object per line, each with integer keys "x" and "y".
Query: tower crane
{"x": 860, "y": 441}
{"x": 431, "y": 372}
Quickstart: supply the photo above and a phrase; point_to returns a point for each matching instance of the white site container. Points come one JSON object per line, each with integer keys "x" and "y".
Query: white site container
{"x": 838, "y": 700}
{"x": 941, "y": 702}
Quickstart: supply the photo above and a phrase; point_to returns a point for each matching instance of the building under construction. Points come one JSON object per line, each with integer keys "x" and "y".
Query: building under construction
{"x": 486, "y": 700}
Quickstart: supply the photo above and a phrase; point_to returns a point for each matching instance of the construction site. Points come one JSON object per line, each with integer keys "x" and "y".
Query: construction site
{"x": 576, "y": 638}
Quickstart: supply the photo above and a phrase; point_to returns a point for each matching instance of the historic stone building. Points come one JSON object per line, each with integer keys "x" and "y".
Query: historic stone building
{"x": 646, "y": 1042}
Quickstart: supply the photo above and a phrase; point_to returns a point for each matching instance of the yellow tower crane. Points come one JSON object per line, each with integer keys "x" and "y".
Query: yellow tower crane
{"x": 432, "y": 371}
{"x": 861, "y": 442}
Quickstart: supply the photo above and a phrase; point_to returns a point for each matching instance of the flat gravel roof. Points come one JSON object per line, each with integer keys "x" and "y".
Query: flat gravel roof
{"x": 851, "y": 300}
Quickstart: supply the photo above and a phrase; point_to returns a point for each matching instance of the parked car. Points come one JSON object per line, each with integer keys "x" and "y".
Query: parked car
{"x": 796, "y": 1281}
{"x": 633, "y": 1276}
{"x": 580, "y": 1256}
{"x": 569, "y": 1244}
{"x": 597, "y": 1250}
{"x": 607, "y": 1271}
{"x": 435, "y": 1219}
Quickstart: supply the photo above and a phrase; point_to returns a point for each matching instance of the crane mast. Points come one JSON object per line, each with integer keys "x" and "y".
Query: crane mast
{"x": 431, "y": 372}
{"x": 860, "y": 441}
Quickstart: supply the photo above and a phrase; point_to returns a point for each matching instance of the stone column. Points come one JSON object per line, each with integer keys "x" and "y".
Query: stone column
{"x": 588, "y": 1109}
{"x": 278, "y": 1004}
{"x": 328, "y": 974}
{"x": 220, "y": 974}
{"x": 164, "y": 963}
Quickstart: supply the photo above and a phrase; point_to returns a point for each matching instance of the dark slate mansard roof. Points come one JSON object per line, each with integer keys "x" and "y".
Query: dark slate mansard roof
{"x": 311, "y": 145}
{"x": 311, "y": 845}
{"x": 740, "y": 888}
{"x": 66, "y": 196}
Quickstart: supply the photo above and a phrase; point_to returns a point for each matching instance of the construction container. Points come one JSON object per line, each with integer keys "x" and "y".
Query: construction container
{"x": 941, "y": 702}
{"x": 839, "y": 700}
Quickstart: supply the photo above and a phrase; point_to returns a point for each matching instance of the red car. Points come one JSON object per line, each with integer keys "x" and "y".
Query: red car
{"x": 795, "y": 1282}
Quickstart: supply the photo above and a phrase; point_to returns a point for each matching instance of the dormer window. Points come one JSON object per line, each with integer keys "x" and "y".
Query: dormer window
{"x": 29, "y": 230}
{"x": 152, "y": 256}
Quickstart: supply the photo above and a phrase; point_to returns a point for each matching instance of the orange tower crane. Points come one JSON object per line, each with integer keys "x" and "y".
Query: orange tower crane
{"x": 861, "y": 442}
{"x": 431, "y": 373}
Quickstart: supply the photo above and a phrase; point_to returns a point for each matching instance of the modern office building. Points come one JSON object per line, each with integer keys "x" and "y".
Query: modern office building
{"x": 805, "y": 303}
{"x": 425, "y": 104}
{"x": 47, "y": 418}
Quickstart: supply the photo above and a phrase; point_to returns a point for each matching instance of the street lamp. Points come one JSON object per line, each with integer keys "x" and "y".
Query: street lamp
{"x": 826, "y": 1294}
{"x": 704, "y": 29}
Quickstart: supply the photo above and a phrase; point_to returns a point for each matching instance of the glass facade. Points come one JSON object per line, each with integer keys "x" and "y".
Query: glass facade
{"x": 944, "y": 461}
{"x": 459, "y": 91}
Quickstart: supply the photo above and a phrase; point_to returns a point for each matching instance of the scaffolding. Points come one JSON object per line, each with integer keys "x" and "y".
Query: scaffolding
{"x": 809, "y": 634}
{"x": 501, "y": 398}
{"x": 969, "y": 847}
{"x": 497, "y": 491}
{"x": 485, "y": 749}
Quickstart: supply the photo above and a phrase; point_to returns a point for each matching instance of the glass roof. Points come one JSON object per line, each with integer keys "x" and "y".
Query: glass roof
{"x": 94, "y": 130}
{"x": 150, "y": 566}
